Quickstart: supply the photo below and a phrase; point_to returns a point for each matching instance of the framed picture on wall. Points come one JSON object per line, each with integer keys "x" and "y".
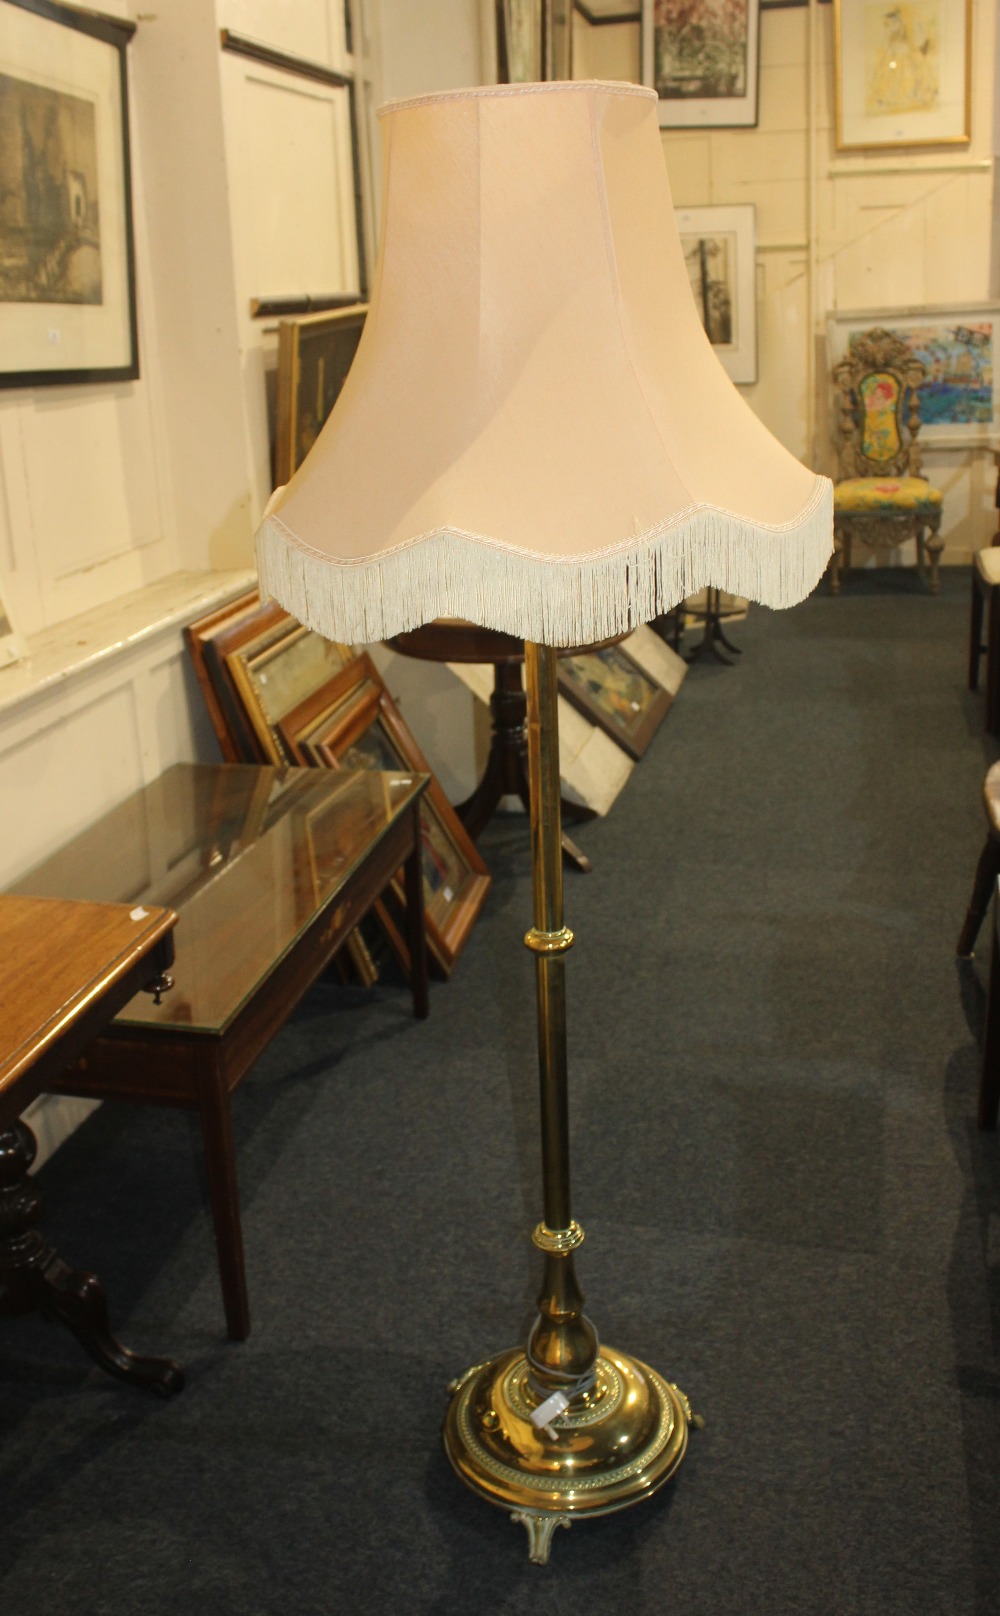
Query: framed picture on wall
{"x": 315, "y": 352}
{"x": 702, "y": 58}
{"x": 67, "y": 278}
{"x": 957, "y": 346}
{"x": 902, "y": 72}
{"x": 720, "y": 251}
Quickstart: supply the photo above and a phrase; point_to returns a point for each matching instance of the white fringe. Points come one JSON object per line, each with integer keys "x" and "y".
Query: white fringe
{"x": 572, "y": 601}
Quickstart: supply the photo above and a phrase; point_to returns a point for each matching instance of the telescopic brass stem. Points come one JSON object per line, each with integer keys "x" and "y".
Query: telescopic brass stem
{"x": 562, "y": 1346}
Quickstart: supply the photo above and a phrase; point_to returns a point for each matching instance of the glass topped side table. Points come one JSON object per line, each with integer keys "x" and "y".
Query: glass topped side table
{"x": 269, "y": 870}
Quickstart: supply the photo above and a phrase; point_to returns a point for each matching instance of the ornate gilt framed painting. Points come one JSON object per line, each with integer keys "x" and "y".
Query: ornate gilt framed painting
{"x": 315, "y": 352}
{"x": 902, "y": 72}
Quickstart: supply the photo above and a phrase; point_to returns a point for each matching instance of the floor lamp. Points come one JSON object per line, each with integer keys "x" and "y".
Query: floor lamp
{"x": 537, "y": 437}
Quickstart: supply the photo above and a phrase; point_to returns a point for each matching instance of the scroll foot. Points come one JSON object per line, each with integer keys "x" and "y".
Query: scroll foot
{"x": 540, "y": 1529}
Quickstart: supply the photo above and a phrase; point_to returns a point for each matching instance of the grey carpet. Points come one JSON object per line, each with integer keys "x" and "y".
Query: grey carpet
{"x": 788, "y": 1207}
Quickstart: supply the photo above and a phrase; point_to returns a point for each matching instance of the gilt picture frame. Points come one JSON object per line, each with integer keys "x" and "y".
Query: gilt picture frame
{"x": 720, "y": 252}
{"x": 702, "y": 57}
{"x": 957, "y": 344}
{"x": 67, "y": 270}
{"x": 354, "y": 723}
{"x": 315, "y": 353}
{"x": 610, "y": 688}
{"x": 902, "y": 73}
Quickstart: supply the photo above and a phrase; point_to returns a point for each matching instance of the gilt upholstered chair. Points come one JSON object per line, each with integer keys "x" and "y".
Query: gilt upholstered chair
{"x": 880, "y": 497}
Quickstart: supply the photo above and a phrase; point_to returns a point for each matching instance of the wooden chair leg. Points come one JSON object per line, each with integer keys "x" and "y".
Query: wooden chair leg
{"x": 987, "y": 871}
{"x": 989, "y": 1080}
{"x": 224, "y": 1197}
{"x": 934, "y": 544}
{"x": 975, "y": 633}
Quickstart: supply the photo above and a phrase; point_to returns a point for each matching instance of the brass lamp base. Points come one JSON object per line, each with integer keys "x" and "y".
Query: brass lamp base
{"x": 614, "y": 1444}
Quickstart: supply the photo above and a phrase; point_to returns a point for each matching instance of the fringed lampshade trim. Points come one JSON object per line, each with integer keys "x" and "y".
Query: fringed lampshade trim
{"x": 575, "y": 600}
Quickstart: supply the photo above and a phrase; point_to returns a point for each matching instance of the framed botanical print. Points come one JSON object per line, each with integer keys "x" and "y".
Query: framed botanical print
{"x": 957, "y": 345}
{"x": 720, "y": 251}
{"x": 615, "y": 693}
{"x": 903, "y": 72}
{"x": 315, "y": 352}
{"x": 702, "y": 57}
{"x": 67, "y": 277}
{"x": 353, "y": 723}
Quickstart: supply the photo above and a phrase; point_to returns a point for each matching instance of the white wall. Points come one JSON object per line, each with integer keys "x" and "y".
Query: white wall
{"x": 837, "y": 230}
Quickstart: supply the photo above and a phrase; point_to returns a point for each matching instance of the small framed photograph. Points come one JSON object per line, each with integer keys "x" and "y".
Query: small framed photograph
{"x": 67, "y": 277}
{"x": 702, "y": 57}
{"x": 609, "y": 687}
{"x": 957, "y": 346}
{"x": 902, "y": 73}
{"x": 720, "y": 251}
{"x": 353, "y": 723}
{"x": 315, "y": 352}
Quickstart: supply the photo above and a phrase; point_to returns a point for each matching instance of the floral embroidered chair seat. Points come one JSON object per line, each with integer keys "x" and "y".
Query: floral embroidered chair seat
{"x": 880, "y": 497}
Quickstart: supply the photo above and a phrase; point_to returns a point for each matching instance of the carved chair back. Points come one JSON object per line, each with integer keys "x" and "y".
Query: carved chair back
{"x": 878, "y": 407}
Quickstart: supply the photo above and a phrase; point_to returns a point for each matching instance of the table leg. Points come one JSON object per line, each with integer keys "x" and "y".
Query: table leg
{"x": 224, "y": 1199}
{"x": 32, "y": 1276}
{"x": 414, "y": 883}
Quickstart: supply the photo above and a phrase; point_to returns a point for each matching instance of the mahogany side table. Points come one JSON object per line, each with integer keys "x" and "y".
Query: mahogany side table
{"x": 506, "y": 773}
{"x": 68, "y": 968}
{"x": 269, "y": 870}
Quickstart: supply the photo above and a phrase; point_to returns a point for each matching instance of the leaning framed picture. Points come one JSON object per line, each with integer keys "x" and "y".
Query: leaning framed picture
{"x": 353, "y": 723}
{"x": 615, "y": 693}
{"x": 67, "y": 276}
{"x": 902, "y": 72}
{"x": 702, "y": 57}
{"x": 720, "y": 251}
{"x": 957, "y": 346}
{"x": 315, "y": 352}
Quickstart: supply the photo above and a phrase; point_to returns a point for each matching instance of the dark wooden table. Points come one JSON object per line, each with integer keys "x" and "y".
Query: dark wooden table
{"x": 506, "y": 773}
{"x": 269, "y": 869}
{"x": 67, "y": 969}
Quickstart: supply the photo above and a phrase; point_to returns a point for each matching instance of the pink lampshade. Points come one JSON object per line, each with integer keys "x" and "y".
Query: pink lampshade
{"x": 535, "y": 434}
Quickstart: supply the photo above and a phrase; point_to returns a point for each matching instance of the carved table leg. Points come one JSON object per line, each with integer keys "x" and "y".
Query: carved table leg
{"x": 506, "y": 772}
{"x": 33, "y": 1277}
{"x": 934, "y": 544}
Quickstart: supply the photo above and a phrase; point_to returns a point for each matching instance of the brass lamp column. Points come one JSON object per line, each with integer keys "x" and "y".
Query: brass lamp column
{"x": 621, "y": 1430}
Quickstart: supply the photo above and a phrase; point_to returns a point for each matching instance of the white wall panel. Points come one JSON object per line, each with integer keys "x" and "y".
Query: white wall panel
{"x": 55, "y": 781}
{"x": 296, "y": 184}
{"x": 310, "y": 28}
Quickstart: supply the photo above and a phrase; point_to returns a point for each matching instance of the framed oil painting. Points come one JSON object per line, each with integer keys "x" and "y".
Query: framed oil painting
{"x": 615, "y": 693}
{"x": 902, "y": 72}
{"x": 720, "y": 251}
{"x": 315, "y": 352}
{"x": 277, "y": 673}
{"x": 353, "y": 723}
{"x": 67, "y": 277}
{"x": 957, "y": 345}
{"x": 702, "y": 57}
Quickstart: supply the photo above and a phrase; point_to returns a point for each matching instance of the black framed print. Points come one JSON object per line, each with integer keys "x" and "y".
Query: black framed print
{"x": 67, "y": 273}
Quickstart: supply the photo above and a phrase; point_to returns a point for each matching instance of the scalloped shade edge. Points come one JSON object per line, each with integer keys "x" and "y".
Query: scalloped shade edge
{"x": 573, "y": 601}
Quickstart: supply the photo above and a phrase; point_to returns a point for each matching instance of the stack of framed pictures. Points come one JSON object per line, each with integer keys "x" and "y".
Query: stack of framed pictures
{"x": 277, "y": 692}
